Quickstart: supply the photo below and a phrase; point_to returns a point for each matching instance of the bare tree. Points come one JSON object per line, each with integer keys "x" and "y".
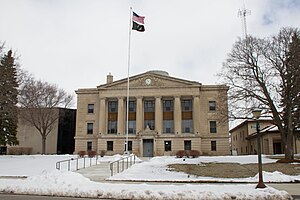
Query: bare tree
{"x": 39, "y": 102}
{"x": 264, "y": 73}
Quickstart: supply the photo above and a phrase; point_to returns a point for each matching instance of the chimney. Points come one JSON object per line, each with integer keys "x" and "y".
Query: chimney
{"x": 109, "y": 78}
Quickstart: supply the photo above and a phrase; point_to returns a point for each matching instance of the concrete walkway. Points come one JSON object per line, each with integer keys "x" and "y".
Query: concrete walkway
{"x": 96, "y": 173}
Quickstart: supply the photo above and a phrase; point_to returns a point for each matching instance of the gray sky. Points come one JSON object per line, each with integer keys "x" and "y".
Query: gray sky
{"x": 76, "y": 43}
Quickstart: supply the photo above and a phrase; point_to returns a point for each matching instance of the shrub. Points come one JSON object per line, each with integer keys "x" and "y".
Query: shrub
{"x": 81, "y": 153}
{"x": 19, "y": 150}
{"x": 102, "y": 153}
{"x": 194, "y": 153}
{"x": 91, "y": 154}
{"x": 180, "y": 154}
{"x": 187, "y": 153}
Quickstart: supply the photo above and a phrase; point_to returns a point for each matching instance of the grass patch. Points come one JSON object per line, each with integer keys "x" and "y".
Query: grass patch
{"x": 233, "y": 170}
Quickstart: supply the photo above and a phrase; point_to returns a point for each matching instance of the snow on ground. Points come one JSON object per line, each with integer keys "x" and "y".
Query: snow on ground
{"x": 62, "y": 183}
{"x": 157, "y": 170}
{"x": 28, "y": 165}
{"x": 44, "y": 179}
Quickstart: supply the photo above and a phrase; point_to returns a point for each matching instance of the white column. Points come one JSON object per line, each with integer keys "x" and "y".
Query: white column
{"x": 196, "y": 114}
{"x": 139, "y": 114}
{"x": 158, "y": 115}
{"x": 102, "y": 118}
{"x": 177, "y": 115}
{"x": 120, "y": 126}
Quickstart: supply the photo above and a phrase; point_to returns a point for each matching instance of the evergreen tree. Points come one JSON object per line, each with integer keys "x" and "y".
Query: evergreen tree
{"x": 8, "y": 100}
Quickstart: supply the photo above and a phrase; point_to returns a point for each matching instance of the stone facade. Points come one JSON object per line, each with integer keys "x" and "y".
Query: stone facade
{"x": 165, "y": 114}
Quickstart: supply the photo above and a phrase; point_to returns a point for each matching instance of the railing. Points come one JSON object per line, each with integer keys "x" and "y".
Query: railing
{"x": 79, "y": 162}
{"x": 119, "y": 165}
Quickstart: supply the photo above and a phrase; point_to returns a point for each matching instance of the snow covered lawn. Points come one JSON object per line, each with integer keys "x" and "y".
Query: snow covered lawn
{"x": 44, "y": 179}
{"x": 157, "y": 170}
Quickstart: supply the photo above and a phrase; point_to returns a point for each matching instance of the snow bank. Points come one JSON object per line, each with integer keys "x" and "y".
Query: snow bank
{"x": 58, "y": 183}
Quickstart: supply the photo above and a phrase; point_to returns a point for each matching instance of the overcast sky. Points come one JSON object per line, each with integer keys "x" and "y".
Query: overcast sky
{"x": 76, "y": 43}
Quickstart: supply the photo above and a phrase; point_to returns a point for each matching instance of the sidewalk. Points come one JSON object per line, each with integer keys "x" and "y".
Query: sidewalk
{"x": 97, "y": 173}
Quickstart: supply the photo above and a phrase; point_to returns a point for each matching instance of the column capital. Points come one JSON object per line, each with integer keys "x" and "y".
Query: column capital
{"x": 196, "y": 96}
{"x": 139, "y": 97}
{"x": 158, "y": 97}
{"x": 121, "y": 98}
{"x": 177, "y": 96}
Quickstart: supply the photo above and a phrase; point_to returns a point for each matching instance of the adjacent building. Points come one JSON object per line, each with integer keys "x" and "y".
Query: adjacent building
{"x": 244, "y": 138}
{"x": 59, "y": 141}
{"x": 165, "y": 115}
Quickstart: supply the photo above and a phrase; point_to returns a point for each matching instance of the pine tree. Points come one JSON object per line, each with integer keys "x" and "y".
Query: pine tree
{"x": 8, "y": 100}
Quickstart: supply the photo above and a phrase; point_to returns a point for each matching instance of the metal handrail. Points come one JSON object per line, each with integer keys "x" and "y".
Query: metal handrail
{"x": 69, "y": 161}
{"x": 121, "y": 168}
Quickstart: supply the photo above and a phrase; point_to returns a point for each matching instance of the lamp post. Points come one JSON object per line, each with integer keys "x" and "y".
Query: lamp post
{"x": 256, "y": 113}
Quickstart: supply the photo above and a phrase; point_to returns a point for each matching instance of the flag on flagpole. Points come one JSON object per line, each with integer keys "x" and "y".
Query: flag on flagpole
{"x": 137, "y": 18}
{"x": 138, "y": 27}
{"x": 138, "y": 22}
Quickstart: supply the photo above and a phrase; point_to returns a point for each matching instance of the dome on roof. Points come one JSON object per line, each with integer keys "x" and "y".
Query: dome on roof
{"x": 160, "y": 72}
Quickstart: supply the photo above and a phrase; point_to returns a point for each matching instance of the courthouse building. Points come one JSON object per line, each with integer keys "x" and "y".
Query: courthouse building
{"x": 165, "y": 115}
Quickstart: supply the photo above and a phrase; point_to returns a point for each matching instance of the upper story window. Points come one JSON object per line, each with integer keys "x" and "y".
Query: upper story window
{"x": 186, "y": 105}
{"x": 132, "y": 106}
{"x": 168, "y": 105}
{"x": 112, "y": 106}
{"x": 213, "y": 126}
{"x": 89, "y": 128}
{"x": 149, "y": 106}
{"x": 90, "y": 108}
{"x": 212, "y": 105}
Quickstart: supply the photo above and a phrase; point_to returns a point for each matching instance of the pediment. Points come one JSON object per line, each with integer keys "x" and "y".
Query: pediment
{"x": 149, "y": 79}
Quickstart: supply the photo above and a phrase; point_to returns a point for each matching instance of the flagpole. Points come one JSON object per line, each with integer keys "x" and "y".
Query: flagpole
{"x": 128, "y": 66}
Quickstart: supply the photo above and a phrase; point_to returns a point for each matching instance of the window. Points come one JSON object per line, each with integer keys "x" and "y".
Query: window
{"x": 187, "y": 145}
{"x": 168, "y": 105}
{"x": 112, "y": 127}
{"x": 149, "y": 106}
{"x": 89, "y": 146}
{"x": 110, "y": 145}
{"x": 213, "y": 126}
{"x": 89, "y": 128}
{"x": 149, "y": 115}
{"x": 168, "y": 126}
{"x": 129, "y": 146}
{"x": 132, "y": 106}
{"x": 186, "y": 105}
{"x": 150, "y": 124}
{"x": 187, "y": 126}
{"x": 168, "y": 146}
{"x": 131, "y": 127}
{"x": 213, "y": 145}
{"x": 90, "y": 108}
{"x": 112, "y": 106}
{"x": 212, "y": 105}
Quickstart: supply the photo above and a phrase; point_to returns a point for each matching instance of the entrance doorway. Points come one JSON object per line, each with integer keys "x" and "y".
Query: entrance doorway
{"x": 277, "y": 148}
{"x": 148, "y": 147}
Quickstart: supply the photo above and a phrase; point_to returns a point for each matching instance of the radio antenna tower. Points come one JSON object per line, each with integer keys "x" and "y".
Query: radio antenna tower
{"x": 242, "y": 13}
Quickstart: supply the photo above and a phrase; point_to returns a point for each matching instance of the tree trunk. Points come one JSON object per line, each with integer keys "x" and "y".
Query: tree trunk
{"x": 289, "y": 147}
{"x": 43, "y": 144}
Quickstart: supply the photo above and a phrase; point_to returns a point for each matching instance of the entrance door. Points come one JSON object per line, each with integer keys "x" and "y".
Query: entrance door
{"x": 277, "y": 148}
{"x": 148, "y": 147}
